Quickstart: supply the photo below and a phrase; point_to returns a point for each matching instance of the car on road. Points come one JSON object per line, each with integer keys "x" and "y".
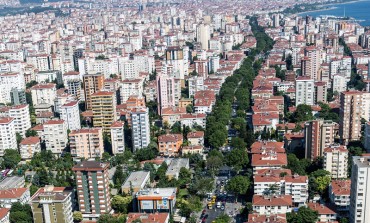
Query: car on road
{"x": 204, "y": 211}
{"x": 222, "y": 207}
{"x": 218, "y": 205}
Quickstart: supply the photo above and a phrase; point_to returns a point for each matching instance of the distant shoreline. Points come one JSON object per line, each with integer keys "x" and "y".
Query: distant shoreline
{"x": 330, "y": 8}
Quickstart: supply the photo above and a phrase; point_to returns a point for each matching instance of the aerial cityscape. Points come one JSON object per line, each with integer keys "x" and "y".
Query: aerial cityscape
{"x": 184, "y": 111}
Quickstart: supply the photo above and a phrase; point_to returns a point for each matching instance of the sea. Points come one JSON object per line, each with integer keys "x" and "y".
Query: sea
{"x": 360, "y": 10}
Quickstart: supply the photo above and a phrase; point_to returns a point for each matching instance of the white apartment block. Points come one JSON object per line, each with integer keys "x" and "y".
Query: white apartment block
{"x": 193, "y": 119}
{"x": 196, "y": 83}
{"x": 367, "y": 137}
{"x": 21, "y": 115}
{"x": 13, "y": 195}
{"x": 44, "y": 93}
{"x": 117, "y": 137}
{"x": 339, "y": 194}
{"x": 130, "y": 70}
{"x": 140, "y": 128}
{"x": 9, "y": 81}
{"x": 305, "y": 90}
{"x": 70, "y": 113}
{"x": 8, "y": 138}
{"x": 267, "y": 205}
{"x": 360, "y": 196}
{"x": 131, "y": 87}
{"x": 339, "y": 83}
{"x": 55, "y": 135}
{"x": 29, "y": 146}
{"x": 294, "y": 185}
{"x": 336, "y": 161}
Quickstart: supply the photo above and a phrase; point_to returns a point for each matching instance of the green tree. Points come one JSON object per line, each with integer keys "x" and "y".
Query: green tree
{"x": 11, "y": 158}
{"x": 201, "y": 185}
{"x": 33, "y": 189}
{"x": 31, "y": 132}
{"x": 105, "y": 218}
{"x": 238, "y": 143}
{"x": 20, "y": 213}
{"x": 238, "y": 185}
{"x": 77, "y": 216}
{"x": 119, "y": 177}
{"x": 189, "y": 108}
{"x": 213, "y": 163}
{"x": 303, "y": 215}
{"x": 121, "y": 204}
{"x": 302, "y": 113}
{"x": 223, "y": 218}
{"x": 184, "y": 177}
{"x": 146, "y": 154}
{"x": 237, "y": 158}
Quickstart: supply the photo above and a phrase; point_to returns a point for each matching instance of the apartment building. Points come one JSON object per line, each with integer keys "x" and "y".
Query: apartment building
{"x": 13, "y": 195}
{"x": 92, "y": 83}
{"x": 131, "y": 87}
{"x": 140, "y": 128}
{"x": 267, "y": 205}
{"x": 7, "y": 134}
{"x": 29, "y": 146}
{"x": 70, "y": 113}
{"x": 9, "y": 81}
{"x": 117, "y": 135}
{"x": 326, "y": 213}
{"x": 44, "y": 93}
{"x": 339, "y": 194}
{"x": 21, "y": 115}
{"x": 367, "y": 137}
{"x": 268, "y": 160}
{"x": 86, "y": 143}
{"x": 93, "y": 189}
{"x": 103, "y": 105}
{"x": 55, "y": 135}
{"x": 196, "y": 138}
{"x": 305, "y": 91}
{"x": 170, "y": 144}
{"x": 318, "y": 134}
{"x": 4, "y": 215}
{"x": 359, "y": 197}
{"x": 52, "y": 204}
{"x": 336, "y": 161}
{"x": 350, "y": 116}
{"x": 284, "y": 183}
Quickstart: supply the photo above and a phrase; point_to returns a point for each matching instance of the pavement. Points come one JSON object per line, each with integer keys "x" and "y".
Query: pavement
{"x": 232, "y": 208}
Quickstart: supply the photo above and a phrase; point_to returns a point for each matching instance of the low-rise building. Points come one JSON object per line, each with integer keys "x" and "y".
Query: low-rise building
{"x": 148, "y": 217}
{"x": 10, "y": 196}
{"x": 339, "y": 194}
{"x": 175, "y": 166}
{"x": 153, "y": 200}
{"x": 12, "y": 182}
{"x": 190, "y": 120}
{"x": 198, "y": 149}
{"x": 269, "y": 160}
{"x": 196, "y": 138}
{"x": 29, "y": 146}
{"x": 52, "y": 204}
{"x": 136, "y": 181}
{"x": 274, "y": 218}
{"x": 4, "y": 215}
{"x": 326, "y": 213}
{"x": 267, "y": 205}
{"x": 170, "y": 144}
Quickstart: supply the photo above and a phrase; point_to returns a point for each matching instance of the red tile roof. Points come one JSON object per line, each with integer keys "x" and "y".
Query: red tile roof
{"x": 30, "y": 140}
{"x": 283, "y": 200}
{"x": 12, "y": 193}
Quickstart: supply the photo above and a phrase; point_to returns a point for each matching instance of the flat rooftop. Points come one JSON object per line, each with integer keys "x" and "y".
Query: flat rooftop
{"x": 155, "y": 193}
{"x": 136, "y": 178}
{"x": 11, "y": 182}
{"x": 176, "y": 165}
